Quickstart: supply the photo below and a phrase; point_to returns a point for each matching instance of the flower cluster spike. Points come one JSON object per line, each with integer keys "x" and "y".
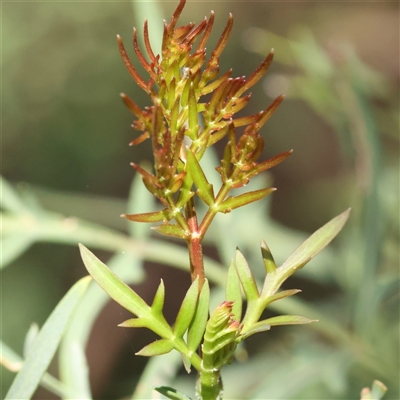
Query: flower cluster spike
{"x": 182, "y": 122}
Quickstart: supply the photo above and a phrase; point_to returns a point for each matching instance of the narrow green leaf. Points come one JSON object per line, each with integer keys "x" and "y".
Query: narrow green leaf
{"x": 112, "y": 285}
{"x": 258, "y": 327}
{"x": 246, "y": 277}
{"x": 268, "y": 259}
{"x": 204, "y": 189}
{"x": 282, "y": 295}
{"x": 246, "y": 198}
{"x": 288, "y": 320}
{"x": 39, "y": 357}
{"x": 162, "y": 346}
{"x": 313, "y": 245}
{"x": 156, "y": 216}
{"x": 123, "y": 294}
{"x": 187, "y": 309}
{"x": 171, "y": 393}
{"x": 199, "y": 321}
{"x": 158, "y": 302}
{"x": 134, "y": 323}
{"x": 171, "y": 230}
{"x": 233, "y": 292}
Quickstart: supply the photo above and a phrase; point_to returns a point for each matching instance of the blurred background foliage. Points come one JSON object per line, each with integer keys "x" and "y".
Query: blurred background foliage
{"x": 66, "y": 161}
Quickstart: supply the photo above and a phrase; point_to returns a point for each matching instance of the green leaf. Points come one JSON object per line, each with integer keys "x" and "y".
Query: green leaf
{"x": 171, "y": 393}
{"x": 162, "y": 346}
{"x": 158, "y": 302}
{"x": 288, "y": 320}
{"x": 246, "y": 277}
{"x": 198, "y": 325}
{"x": 39, "y": 357}
{"x": 156, "y": 216}
{"x": 171, "y": 230}
{"x": 204, "y": 189}
{"x": 187, "y": 309}
{"x": 134, "y": 323}
{"x": 269, "y": 262}
{"x": 282, "y": 295}
{"x": 246, "y": 198}
{"x": 122, "y": 293}
{"x": 313, "y": 245}
{"x": 233, "y": 292}
{"x": 258, "y": 327}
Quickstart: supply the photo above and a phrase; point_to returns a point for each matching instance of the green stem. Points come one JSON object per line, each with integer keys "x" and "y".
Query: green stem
{"x": 209, "y": 385}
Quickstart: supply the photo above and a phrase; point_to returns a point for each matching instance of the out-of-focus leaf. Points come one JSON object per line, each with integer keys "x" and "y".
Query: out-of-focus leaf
{"x": 13, "y": 362}
{"x": 10, "y": 200}
{"x": 30, "y": 338}
{"x": 39, "y": 358}
{"x": 160, "y": 369}
{"x": 171, "y": 393}
{"x": 376, "y": 393}
{"x": 14, "y": 245}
